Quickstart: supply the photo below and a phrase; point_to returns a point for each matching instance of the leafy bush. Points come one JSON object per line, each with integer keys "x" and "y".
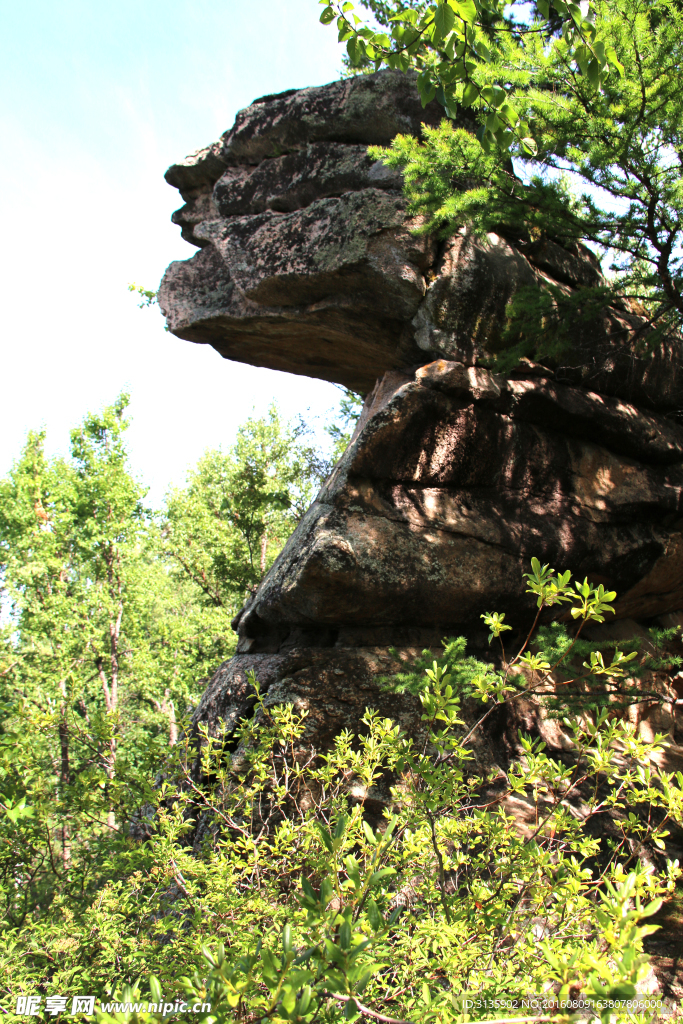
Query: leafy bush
{"x": 264, "y": 880}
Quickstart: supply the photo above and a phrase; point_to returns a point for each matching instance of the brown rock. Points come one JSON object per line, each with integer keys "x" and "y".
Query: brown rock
{"x": 455, "y": 476}
{"x": 460, "y": 381}
{"x": 438, "y": 505}
{"x": 619, "y": 426}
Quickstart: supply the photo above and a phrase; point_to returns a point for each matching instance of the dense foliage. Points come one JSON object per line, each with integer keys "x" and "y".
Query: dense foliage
{"x": 392, "y": 875}
{"x": 456, "y": 47}
{"x": 114, "y": 616}
{"x": 602, "y": 163}
{"x": 396, "y": 876}
{"x": 225, "y": 527}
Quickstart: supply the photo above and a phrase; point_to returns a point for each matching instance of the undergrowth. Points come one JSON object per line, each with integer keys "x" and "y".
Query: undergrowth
{"x": 278, "y": 884}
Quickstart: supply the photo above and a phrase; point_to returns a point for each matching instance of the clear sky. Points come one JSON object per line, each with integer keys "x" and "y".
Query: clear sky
{"x": 96, "y": 100}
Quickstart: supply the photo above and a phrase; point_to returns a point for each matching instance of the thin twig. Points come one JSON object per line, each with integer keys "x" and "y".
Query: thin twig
{"x": 367, "y": 1012}
{"x": 442, "y": 876}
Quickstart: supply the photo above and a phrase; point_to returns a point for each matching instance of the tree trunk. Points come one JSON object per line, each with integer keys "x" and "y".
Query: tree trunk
{"x": 172, "y": 725}
{"x": 264, "y": 545}
{"x": 166, "y": 707}
{"x": 64, "y": 777}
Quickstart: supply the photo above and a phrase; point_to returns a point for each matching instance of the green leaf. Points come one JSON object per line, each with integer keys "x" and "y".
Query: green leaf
{"x": 326, "y": 838}
{"x": 340, "y": 827}
{"x": 483, "y": 52}
{"x": 444, "y": 19}
{"x": 509, "y": 113}
{"x": 369, "y": 834}
{"x": 208, "y": 956}
{"x": 345, "y": 935}
{"x": 374, "y": 916}
{"x": 19, "y": 810}
{"x": 327, "y": 16}
{"x": 377, "y": 876}
{"x": 611, "y": 55}
{"x": 356, "y": 50}
{"x": 467, "y": 11}
{"x": 308, "y": 890}
{"x": 350, "y": 1010}
{"x": 470, "y": 94}
{"x": 304, "y": 1001}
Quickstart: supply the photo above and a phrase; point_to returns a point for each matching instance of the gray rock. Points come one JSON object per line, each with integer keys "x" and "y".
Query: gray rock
{"x": 288, "y": 183}
{"x": 203, "y": 167}
{"x": 464, "y": 312}
{"x": 310, "y": 262}
{"x": 369, "y": 109}
{"x": 328, "y": 288}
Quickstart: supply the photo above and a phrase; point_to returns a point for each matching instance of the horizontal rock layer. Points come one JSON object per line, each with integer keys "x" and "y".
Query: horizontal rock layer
{"x": 455, "y": 481}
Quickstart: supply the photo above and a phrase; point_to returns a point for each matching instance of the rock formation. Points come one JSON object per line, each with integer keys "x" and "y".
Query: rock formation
{"x": 456, "y": 476}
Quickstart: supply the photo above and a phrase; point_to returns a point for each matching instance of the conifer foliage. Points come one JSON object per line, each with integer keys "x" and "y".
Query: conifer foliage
{"x": 567, "y": 127}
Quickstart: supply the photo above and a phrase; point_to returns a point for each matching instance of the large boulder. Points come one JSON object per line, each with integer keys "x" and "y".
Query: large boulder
{"x": 327, "y": 289}
{"x": 308, "y": 262}
{"x": 455, "y": 479}
{"x": 456, "y": 475}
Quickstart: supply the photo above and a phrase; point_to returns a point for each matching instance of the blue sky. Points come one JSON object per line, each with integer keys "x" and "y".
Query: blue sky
{"x": 95, "y": 102}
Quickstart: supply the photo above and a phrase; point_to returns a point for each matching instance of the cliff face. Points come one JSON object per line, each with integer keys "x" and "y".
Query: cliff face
{"x": 456, "y": 476}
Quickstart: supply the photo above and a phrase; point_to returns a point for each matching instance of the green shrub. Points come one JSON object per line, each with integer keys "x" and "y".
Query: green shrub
{"x": 267, "y": 884}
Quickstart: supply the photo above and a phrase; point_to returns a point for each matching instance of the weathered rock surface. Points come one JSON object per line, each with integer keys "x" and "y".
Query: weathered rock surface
{"x": 456, "y": 476}
{"x": 463, "y": 317}
{"x": 454, "y": 483}
{"x": 455, "y": 479}
{"x": 309, "y": 262}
